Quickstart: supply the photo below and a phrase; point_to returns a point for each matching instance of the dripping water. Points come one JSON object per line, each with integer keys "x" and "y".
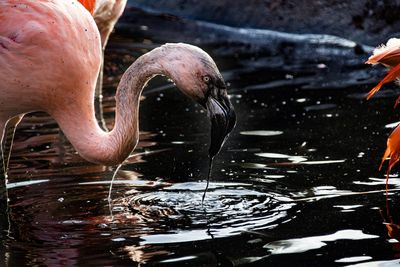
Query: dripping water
{"x": 223, "y": 120}
{"x": 110, "y": 191}
{"x": 208, "y": 178}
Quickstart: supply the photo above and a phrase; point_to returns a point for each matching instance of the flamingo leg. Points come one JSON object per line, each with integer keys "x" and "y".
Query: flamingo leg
{"x": 8, "y": 139}
{"x": 3, "y": 197}
{"x": 2, "y": 169}
{"x": 3, "y": 182}
{"x": 4, "y": 219}
{"x": 8, "y": 130}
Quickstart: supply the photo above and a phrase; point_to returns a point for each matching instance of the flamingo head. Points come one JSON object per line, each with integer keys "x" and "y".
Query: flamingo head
{"x": 197, "y": 76}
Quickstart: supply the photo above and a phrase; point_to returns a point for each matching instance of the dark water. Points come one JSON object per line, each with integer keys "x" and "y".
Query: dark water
{"x": 295, "y": 185}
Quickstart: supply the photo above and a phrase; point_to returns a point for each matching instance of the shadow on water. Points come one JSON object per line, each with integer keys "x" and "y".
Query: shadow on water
{"x": 296, "y": 182}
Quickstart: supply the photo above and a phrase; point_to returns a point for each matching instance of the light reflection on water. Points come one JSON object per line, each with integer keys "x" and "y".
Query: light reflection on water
{"x": 25, "y": 183}
{"x": 354, "y": 259}
{"x": 304, "y": 244}
{"x": 376, "y": 264}
{"x": 262, "y": 133}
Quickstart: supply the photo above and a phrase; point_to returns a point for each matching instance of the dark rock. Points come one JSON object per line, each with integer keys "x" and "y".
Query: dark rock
{"x": 311, "y": 61}
{"x": 365, "y": 21}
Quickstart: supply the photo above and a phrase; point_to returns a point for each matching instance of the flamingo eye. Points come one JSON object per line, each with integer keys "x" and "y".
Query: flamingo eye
{"x": 206, "y": 79}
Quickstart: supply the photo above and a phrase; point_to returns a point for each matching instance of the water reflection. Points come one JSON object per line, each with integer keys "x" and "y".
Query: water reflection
{"x": 25, "y": 183}
{"x": 261, "y": 133}
{"x": 376, "y": 264}
{"x": 353, "y": 259}
{"x": 299, "y": 245}
{"x": 380, "y": 181}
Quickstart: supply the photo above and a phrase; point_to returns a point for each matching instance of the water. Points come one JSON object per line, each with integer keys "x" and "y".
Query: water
{"x": 296, "y": 183}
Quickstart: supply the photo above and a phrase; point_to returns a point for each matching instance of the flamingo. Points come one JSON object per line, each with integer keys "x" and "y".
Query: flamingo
{"x": 389, "y": 56}
{"x": 50, "y": 57}
{"x": 106, "y": 14}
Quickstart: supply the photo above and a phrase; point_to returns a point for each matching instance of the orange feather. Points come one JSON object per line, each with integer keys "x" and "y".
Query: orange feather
{"x": 392, "y": 75}
{"x": 392, "y": 152}
{"x": 88, "y": 4}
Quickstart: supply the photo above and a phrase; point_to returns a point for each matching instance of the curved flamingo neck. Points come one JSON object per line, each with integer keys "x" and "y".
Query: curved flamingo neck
{"x": 79, "y": 124}
{"x": 125, "y": 134}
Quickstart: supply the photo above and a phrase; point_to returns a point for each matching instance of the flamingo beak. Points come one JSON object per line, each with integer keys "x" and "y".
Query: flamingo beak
{"x": 222, "y": 116}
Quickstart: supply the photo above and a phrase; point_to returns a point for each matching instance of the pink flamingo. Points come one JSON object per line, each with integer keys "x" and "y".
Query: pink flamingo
{"x": 50, "y": 56}
{"x": 106, "y": 13}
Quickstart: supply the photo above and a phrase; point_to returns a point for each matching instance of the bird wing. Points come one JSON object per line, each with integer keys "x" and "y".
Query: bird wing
{"x": 392, "y": 75}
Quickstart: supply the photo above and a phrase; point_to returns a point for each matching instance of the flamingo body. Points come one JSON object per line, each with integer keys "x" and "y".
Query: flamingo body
{"x": 36, "y": 51}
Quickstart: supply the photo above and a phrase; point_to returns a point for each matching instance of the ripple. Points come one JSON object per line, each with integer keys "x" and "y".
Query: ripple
{"x": 372, "y": 181}
{"x": 348, "y": 207}
{"x": 228, "y": 209}
{"x": 387, "y": 263}
{"x": 294, "y": 159}
{"x": 26, "y": 183}
{"x": 262, "y": 133}
{"x": 300, "y": 245}
{"x": 180, "y": 259}
{"x": 319, "y": 107}
{"x": 354, "y": 259}
{"x": 136, "y": 183}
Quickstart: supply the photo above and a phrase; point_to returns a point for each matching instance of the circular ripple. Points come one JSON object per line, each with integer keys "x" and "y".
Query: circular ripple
{"x": 227, "y": 209}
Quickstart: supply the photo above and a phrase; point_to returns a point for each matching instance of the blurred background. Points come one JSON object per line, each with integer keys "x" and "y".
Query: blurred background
{"x": 366, "y": 22}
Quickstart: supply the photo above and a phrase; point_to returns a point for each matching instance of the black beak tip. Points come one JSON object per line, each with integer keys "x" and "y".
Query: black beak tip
{"x": 223, "y": 120}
